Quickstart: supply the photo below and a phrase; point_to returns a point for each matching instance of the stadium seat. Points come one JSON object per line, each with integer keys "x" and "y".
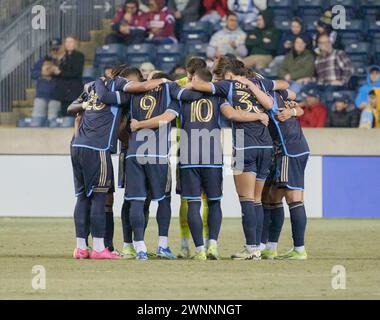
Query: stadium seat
{"x": 355, "y": 29}
{"x": 116, "y": 51}
{"x": 281, "y": 7}
{"x": 140, "y": 52}
{"x": 249, "y": 27}
{"x": 358, "y": 51}
{"x": 24, "y": 122}
{"x": 282, "y": 23}
{"x": 197, "y": 49}
{"x": 167, "y": 64}
{"x": 370, "y": 8}
{"x": 311, "y": 23}
{"x": 374, "y": 29}
{"x": 310, "y": 7}
{"x": 171, "y": 50}
{"x": 270, "y": 73}
{"x": 195, "y": 32}
{"x": 330, "y": 99}
{"x": 38, "y": 122}
{"x": 90, "y": 74}
{"x": 103, "y": 62}
{"x": 377, "y": 52}
{"x": 68, "y": 122}
{"x": 360, "y": 74}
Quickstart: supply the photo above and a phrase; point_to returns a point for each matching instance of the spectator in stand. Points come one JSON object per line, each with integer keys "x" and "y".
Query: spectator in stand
{"x": 69, "y": 73}
{"x": 298, "y": 65}
{"x": 247, "y": 10}
{"x": 343, "y": 114}
{"x": 333, "y": 67}
{"x": 373, "y": 82}
{"x": 160, "y": 23}
{"x": 146, "y": 69}
{"x": 178, "y": 72}
{"x": 216, "y": 11}
{"x": 262, "y": 42}
{"x": 370, "y": 117}
{"x": 47, "y": 104}
{"x": 315, "y": 112}
{"x": 184, "y": 11}
{"x": 129, "y": 24}
{"x": 324, "y": 27}
{"x": 229, "y": 40}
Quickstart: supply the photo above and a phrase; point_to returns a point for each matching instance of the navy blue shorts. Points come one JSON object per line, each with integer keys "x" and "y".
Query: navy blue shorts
{"x": 288, "y": 172}
{"x": 195, "y": 181}
{"x": 93, "y": 171}
{"x": 256, "y": 160}
{"x": 144, "y": 178}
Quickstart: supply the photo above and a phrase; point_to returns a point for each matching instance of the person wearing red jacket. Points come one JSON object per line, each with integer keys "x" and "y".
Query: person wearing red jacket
{"x": 161, "y": 23}
{"x": 129, "y": 24}
{"x": 216, "y": 10}
{"x": 315, "y": 113}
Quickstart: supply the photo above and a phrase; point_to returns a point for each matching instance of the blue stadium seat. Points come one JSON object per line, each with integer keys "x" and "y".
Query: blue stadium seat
{"x": 116, "y": 51}
{"x": 374, "y": 29}
{"x": 90, "y": 74}
{"x": 102, "y": 62}
{"x": 330, "y": 99}
{"x": 311, "y": 23}
{"x": 377, "y": 52}
{"x": 270, "y": 73}
{"x": 68, "y": 122}
{"x": 282, "y": 23}
{"x": 281, "y": 7}
{"x": 355, "y": 29}
{"x": 136, "y": 61}
{"x": 370, "y": 7}
{"x": 358, "y": 51}
{"x": 167, "y": 64}
{"x": 24, "y": 122}
{"x": 55, "y": 123}
{"x": 38, "y": 122}
{"x": 140, "y": 52}
{"x": 349, "y": 5}
{"x": 310, "y": 7}
{"x": 195, "y": 32}
{"x": 171, "y": 50}
{"x": 197, "y": 49}
{"x": 360, "y": 74}
{"x": 248, "y": 27}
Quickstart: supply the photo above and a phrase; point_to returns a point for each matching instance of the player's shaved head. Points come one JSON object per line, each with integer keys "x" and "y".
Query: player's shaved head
{"x": 203, "y": 74}
{"x": 161, "y": 75}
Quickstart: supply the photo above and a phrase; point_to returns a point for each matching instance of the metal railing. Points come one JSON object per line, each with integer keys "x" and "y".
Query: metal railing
{"x": 21, "y": 45}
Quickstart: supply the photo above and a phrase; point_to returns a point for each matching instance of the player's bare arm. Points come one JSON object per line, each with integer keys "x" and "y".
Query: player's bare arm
{"x": 201, "y": 86}
{"x": 140, "y": 87}
{"x": 153, "y": 123}
{"x": 243, "y": 116}
{"x": 292, "y": 110}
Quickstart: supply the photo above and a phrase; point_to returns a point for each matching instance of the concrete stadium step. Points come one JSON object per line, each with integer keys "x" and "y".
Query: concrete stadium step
{"x": 8, "y": 119}
{"x": 107, "y": 24}
{"x": 23, "y": 112}
{"x": 98, "y": 36}
{"x": 30, "y": 93}
{"x": 88, "y": 49}
{"x": 17, "y": 104}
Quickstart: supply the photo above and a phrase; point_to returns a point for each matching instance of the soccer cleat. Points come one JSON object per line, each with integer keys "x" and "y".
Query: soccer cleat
{"x": 165, "y": 253}
{"x": 201, "y": 256}
{"x": 142, "y": 256}
{"x": 103, "y": 255}
{"x": 185, "y": 253}
{"x": 81, "y": 254}
{"x": 293, "y": 255}
{"x": 267, "y": 254}
{"x": 246, "y": 254}
{"x": 129, "y": 252}
{"x": 213, "y": 253}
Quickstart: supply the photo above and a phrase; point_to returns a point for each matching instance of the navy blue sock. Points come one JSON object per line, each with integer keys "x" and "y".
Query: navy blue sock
{"x": 266, "y": 223}
{"x": 249, "y": 222}
{"x": 110, "y": 228}
{"x": 81, "y": 216}
{"x": 298, "y": 219}
{"x": 98, "y": 217}
{"x": 195, "y": 222}
{"x": 164, "y": 213}
{"x": 277, "y": 221}
{"x": 259, "y": 213}
{"x": 127, "y": 228}
{"x": 137, "y": 219}
{"x": 146, "y": 210}
{"x": 214, "y": 219}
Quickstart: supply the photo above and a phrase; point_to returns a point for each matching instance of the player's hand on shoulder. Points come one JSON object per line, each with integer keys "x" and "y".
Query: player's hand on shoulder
{"x": 134, "y": 125}
{"x": 264, "y": 119}
{"x": 284, "y": 114}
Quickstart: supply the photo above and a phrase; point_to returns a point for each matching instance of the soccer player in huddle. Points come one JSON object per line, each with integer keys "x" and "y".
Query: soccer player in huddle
{"x": 252, "y": 147}
{"x": 93, "y": 144}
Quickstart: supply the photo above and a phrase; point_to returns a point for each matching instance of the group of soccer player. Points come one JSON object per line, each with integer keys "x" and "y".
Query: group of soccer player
{"x": 269, "y": 158}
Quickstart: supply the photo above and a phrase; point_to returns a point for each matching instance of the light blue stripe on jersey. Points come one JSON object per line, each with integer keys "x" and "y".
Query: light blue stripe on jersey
{"x": 146, "y": 155}
{"x": 201, "y": 166}
{"x": 294, "y": 188}
{"x": 254, "y": 147}
{"x": 230, "y": 95}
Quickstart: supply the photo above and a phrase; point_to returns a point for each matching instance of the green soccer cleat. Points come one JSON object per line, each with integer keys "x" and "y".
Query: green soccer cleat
{"x": 246, "y": 254}
{"x": 267, "y": 254}
{"x": 201, "y": 256}
{"x": 129, "y": 253}
{"x": 293, "y": 255}
{"x": 213, "y": 253}
{"x": 185, "y": 253}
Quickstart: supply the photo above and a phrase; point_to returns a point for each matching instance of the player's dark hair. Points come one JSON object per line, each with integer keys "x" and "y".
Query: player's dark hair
{"x": 235, "y": 70}
{"x": 161, "y": 75}
{"x": 194, "y": 64}
{"x": 117, "y": 70}
{"x": 231, "y": 13}
{"x": 249, "y": 73}
{"x": 372, "y": 93}
{"x": 220, "y": 65}
{"x": 204, "y": 75}
{"x": 132, "y": 71}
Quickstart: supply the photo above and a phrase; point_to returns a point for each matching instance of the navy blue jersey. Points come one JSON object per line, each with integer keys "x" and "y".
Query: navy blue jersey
{"x": 153, "y": 142}
{"x": 200, "y": 143}
{"x": 288, "y": 135}
{"x": 100, "y": 121}
{"x": 246, "y": 135}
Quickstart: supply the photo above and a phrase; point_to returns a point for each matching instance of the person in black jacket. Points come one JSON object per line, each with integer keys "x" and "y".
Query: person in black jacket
{"x": 343, "y": 114}
{"x": 69, "y": 73}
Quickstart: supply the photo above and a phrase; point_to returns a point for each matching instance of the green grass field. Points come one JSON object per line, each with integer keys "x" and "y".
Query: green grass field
{"x": 353, "y": 244}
